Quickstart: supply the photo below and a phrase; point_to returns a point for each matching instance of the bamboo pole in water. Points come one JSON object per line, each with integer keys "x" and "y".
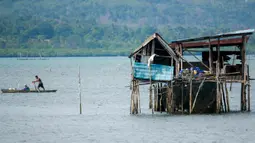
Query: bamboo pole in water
{"x": 79, "y": 75}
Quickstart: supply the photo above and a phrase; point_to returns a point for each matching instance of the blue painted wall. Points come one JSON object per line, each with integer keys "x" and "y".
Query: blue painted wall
{"x": 158, "y": 72}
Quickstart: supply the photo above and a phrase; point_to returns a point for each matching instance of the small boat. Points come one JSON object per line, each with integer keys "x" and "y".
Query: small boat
{"x": 24, "y": 91}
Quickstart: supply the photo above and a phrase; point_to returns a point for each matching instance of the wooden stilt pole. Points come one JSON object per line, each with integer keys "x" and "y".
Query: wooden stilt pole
{"x": 156, "y": 92}
{"x": 169, "y": 98}
{"x": 244, "y": 75}
{"x": 249, "y": 89}
{"x": 134, "y": 105}
{"x": 151, "y": 98}
{"x": 136, "y": 101}
{"x": 160, "y": 103}
{"x": 221, "y": 103}
{"x": 172, "y": 97}
{"x": 156, "y": 97}
{"x": 224, "y": 99}
{"x": 131, "y": 100}
{"x": 171, "y": 91}
{"x": 182, "y": 96}
{"x": 227, "y": 97}
{"x": 138, "y": 98}
{"x": 190, "y": 92}
{"x": 150, "y": 92}
{"x": 134, "y": 97}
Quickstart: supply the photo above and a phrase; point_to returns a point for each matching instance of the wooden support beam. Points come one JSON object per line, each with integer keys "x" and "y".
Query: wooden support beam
{"x": 210, "y": 57}
{"x": 199, "y": 60}
{"x": 177, "y": 63}
{"x": 153, "y": 47}
{"x": 218, "y": 97}
{"x": 181, "y": 52}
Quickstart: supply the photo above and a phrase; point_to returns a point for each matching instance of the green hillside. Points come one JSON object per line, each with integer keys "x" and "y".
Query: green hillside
{"x": 112, "y": 27}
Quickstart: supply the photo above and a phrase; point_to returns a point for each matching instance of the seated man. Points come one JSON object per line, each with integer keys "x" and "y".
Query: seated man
{"x": 26, "y": 88}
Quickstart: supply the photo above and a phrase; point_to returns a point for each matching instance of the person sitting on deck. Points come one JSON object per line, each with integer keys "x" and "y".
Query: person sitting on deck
{"x": 39, "y": 81}
{"x": 26, "y": 88}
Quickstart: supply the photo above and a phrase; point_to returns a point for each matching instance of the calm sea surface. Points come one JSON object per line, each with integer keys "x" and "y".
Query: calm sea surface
{"x": 54, "y": 117}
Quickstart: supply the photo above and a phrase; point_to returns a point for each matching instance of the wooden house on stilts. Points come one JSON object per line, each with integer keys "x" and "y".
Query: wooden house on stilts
{"x": 180, "y": 86}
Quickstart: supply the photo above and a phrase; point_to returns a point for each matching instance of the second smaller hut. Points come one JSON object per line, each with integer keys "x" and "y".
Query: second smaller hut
{"x": 152, "y": 63}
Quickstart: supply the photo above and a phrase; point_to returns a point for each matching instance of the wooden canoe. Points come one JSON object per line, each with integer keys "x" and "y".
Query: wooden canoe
{"x": 23, "y": 91}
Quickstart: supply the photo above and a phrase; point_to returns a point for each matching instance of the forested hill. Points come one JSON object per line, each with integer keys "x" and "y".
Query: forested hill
{"x": 60, "y": 27}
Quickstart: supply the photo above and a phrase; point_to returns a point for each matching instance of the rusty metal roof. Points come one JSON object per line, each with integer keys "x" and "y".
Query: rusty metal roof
{"x": 213, "y": 43}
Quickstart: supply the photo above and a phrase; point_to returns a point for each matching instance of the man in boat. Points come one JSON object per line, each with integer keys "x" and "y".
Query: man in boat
{"x": 26, "y": 88}
{"x": 40, "y": 83}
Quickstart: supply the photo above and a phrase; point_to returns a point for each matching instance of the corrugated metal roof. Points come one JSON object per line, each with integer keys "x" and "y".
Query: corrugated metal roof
{"x": 239, "y": 32}
{"x": 221, "y": 35}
